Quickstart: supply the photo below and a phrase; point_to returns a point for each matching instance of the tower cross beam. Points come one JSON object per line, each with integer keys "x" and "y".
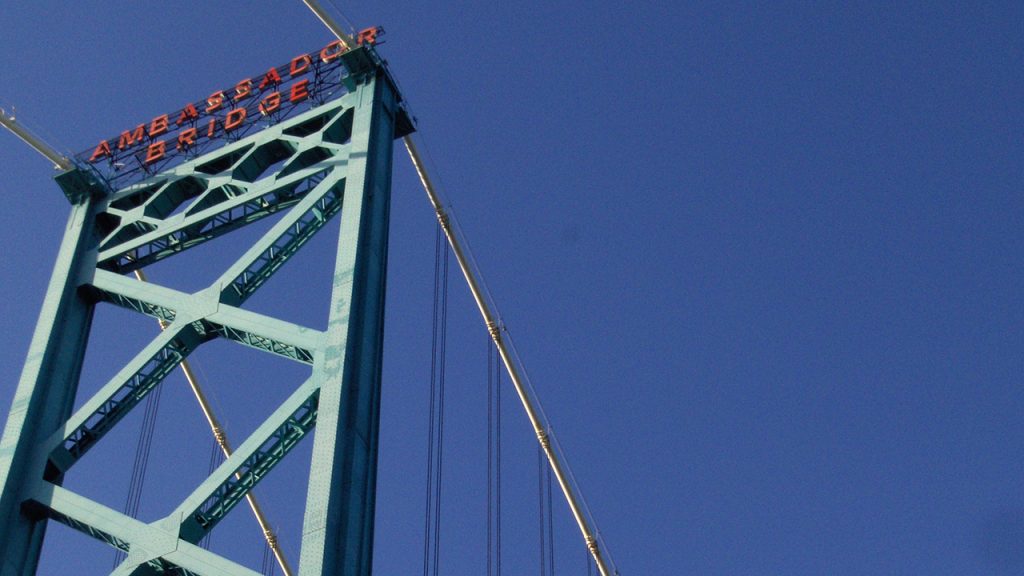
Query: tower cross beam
{"x": 254, "y": 202}
{"x": 236, "y": 324}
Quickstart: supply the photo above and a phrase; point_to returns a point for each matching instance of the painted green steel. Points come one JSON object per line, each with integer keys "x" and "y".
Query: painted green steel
{"x": 333, "y": 159}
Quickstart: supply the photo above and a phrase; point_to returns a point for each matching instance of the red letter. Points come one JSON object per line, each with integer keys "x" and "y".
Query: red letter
{"x": 211, "y": 127}
{"x": 102, "y": 150}
{"x": 155, "y": 151}
{"x": 158, "y": 125}
{"x": 234, "y": 119}
{"x": 128, "y": 139}
{"x": 187, "y": 138}
{"x": 270, "y": 103}
{"x": 215, "y": 101}
{"x": 368, "y": 36}
{"x": 271, "y": 77}
{"x": 299, "y": 65}
{"x": 332, "y": 51}
{"x": 300, "y": 91}
{"x": 187, "y": 113}
{"x": 243, "y": 89}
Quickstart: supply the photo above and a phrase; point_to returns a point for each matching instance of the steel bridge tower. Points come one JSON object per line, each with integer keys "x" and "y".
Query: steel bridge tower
{"x": 333, "y": 159}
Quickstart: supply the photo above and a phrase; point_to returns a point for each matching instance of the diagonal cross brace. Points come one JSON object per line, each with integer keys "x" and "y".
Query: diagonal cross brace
{"x": 250, "y": 328}
{"x": 122, "y": 393}
{"x": 249, "y": 463}
{"x": 259, "y": 263}
{"x": 144, "y": 542}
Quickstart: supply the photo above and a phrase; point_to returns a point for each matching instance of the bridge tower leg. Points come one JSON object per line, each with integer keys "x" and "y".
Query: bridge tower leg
{"x": 332, "y": 159}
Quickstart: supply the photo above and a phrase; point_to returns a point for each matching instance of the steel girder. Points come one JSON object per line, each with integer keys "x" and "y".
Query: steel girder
{"x": 333, "y": 159}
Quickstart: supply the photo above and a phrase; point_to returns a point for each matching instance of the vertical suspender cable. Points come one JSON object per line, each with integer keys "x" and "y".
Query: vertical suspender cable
{"x": 540, "y": 511}
{"x": 216, "y": 457}
{"x": 551, "y": 527}
{"x": 589, "y": 537}
{"x": 435, "y": 434}
{"x": 442, "y": 363}
{"x": 493, "y": 463}
{"x": 429, "y": 511}
{"x": 490, "y": 456}
{"x": 497, "y": 496}
{"x": 143, "y": 448}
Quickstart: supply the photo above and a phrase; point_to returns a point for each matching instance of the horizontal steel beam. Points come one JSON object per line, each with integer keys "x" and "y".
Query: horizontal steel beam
{"x": 250, "y": 328}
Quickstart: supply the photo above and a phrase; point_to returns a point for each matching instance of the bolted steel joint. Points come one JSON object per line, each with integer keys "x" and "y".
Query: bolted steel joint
{"x": 442, "y": 219}
{"x": 542, "y": 437}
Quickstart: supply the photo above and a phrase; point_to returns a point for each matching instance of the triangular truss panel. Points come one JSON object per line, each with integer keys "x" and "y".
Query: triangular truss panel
{"x": 333, "y": 161}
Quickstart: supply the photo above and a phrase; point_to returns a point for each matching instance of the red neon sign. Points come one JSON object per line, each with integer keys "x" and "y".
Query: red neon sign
{"x": 225, "y": 111}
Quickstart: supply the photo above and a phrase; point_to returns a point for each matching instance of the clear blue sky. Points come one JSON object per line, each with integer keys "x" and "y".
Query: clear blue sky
{"x": 764, "y": 265}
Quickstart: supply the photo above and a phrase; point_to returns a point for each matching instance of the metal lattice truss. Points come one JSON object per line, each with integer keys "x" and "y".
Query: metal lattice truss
{"x": 307, "y": 169}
